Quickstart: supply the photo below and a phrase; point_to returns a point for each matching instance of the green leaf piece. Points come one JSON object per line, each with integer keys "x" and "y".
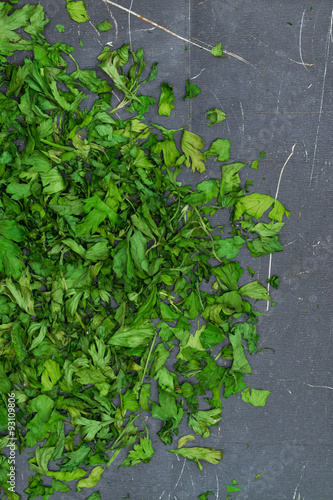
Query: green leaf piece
{"x": 192, "y": 90}
{"x": 77, "y": 11}
{"x": 215, "y": 116}
{"x": 104, "y": 26}
{"x": 217, "y": 51}
{"x": 197, "y": 453}
{"x": 60, "y": 28}
{"x": 255, "y": 397}
{"x": 165, "y": 105}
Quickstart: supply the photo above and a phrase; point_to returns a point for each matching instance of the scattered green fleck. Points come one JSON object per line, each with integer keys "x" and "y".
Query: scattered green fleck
{"x": 290, "y": 24}
{"x": 204, "y": 496}
{"x": 251, "y": 271}
{"x": 81, "y": 43}
{"x": 318, "y": 306}
{"x": 60, "y": 28}
{"x": 258, "y": 475}
{"x": 262, "y": 154}
{"x": 255, "y": 164}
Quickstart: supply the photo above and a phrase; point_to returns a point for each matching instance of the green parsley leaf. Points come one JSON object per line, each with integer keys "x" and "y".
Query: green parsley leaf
{"x": 197, "y": 453}
{"x": 255, "y": 397}
{"x": 104, "y": 26}
{"x": 77, "y": 11}
{"x": 192, "y": 90}
{"x": 167, "y": 97}
{"x": 215, "y": 115}
{"x": 217, "y": 51}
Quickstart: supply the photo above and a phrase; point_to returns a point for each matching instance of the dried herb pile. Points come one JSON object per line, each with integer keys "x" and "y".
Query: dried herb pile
{"x": 104, "y": 256}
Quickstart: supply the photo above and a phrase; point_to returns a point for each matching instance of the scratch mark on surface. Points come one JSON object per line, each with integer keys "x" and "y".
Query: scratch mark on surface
{"x": 217, "y": 488}
{"x": 181, "y": 473}
{"x": 130, "y": 12}
{"x": 243, "y": 118}
{"x": 300, "y": 41}
{"x": 279, "y": 54}
{"x": 98, "y": 33}
{"x": 194, "y": 77}
{"x": 277, "y": 107}
{"x": 314, "y": 27}
{"x": 276, "y": 195}
{"x": 129, "y": 24}
{"x": 112, "y": 17}
{"x": 295, "y": 492}
{"x": 322, "y": 96}
{"x": 190, "y": 473}
{"x": 321, "y": 386}
{"x": 146, "y": 29}
{"x": 306, "y": 152}
{"x": 161, "y": 495}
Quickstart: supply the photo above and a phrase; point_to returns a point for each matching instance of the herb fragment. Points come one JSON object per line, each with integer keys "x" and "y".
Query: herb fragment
{"x": 104, "y": 26}
{"x": 217, "y": 51}
{"x": 192, "y": 90}
{"x": 167, "y": 97}
{"x": 77, "y": 11}
{"x": 215, "y": 115}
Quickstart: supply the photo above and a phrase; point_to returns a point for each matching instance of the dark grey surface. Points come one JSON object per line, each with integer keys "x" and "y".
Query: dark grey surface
{"x": 271, "y": 104}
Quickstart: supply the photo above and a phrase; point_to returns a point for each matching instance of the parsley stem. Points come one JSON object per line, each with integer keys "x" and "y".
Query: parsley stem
{"x": 147, "y": 360}
{"x": 58, "y": 146}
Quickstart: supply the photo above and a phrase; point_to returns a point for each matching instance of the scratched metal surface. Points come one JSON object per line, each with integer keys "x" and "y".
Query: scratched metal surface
{"x": 280, "y": 97}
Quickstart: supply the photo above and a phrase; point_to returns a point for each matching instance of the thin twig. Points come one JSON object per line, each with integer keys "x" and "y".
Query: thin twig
{"x": 231, "y": 54}
{"x": 276, "y": 195}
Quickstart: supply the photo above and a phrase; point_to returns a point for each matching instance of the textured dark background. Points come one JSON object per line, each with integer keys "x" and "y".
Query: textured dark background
{"x": 281, "y": 97}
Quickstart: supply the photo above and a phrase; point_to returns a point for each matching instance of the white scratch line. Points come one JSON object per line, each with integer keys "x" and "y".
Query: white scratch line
{"x": 300, "y": 41}
{"x": 321, "y": 386}
{"x": 217, "y": 488}
{"x": 306, "y": 152}
{"x": 161, "y": 495}
{"x": 322, "y": 95}
{"x": 129, "y": 24}
{"x": 243, "y": 118}
{"x": 277, "y": 107}
{"x": 194, "y": 77}
{"x": 189, "y": 471}
{"x": 276, "y": 195}
{"x": 98, "y": 33}
{"x": 146, "y": 29}
{"x": 294, "y": 497}
{"x": 112, "y": 17}
{"x": 231, "y": 54}
{"x": 181, "y": 473}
